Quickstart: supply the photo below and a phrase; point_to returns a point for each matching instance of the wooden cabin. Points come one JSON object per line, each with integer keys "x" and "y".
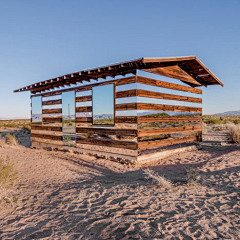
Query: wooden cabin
{"x": 137, "y": 111}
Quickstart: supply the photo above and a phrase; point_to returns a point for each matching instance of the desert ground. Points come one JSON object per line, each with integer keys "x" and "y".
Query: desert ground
{"x": 64, "y": 195}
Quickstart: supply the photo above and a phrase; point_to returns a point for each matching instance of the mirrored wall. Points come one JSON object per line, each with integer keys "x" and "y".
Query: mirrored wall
{"x": 103, "y": 105}
{"x": 37, "y": 110}
{"x": 68, "y": 118}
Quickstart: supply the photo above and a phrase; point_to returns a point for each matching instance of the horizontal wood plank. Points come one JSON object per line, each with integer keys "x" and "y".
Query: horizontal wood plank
{"x": 168, "y": 85}
{"x": 52, "y": 102}
{"x": 46, "y": 136}
{"x": 50, "y": 111}
{"x": 158, "y": 95}
{"x": 145, "y": 119}
{"x": 122, "y": 132}
{"x": 47, "y": 128}
{"x": 164, "y": 142}
{"x": 160, "y": 107}
{"x": 51, "y": 143}
{"x": 84, "y": 98}
{"x": 47, "y": 132}
{"x": 156, "y": 107}
{"x": 131, "y": 119}
{"x": 83, "y": 119}
{"x": 127, "y": 93}
{"x": 108, "y": 143}
{"x": 126, "y": 106}
{"x": 84, "y": 109}
{"x": 52, "y": 120}
{"x": 156, "y": 131}
{"x": 105, "y": 149}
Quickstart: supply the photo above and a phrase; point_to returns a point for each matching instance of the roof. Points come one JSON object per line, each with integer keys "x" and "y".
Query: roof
{"x": 188, "y": 69}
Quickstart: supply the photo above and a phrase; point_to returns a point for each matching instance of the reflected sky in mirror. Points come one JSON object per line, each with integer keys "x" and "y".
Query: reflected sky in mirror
{"x": 103, "y": 104}
{"x": 68, "y": 115}
{"x": 37, "y": 109}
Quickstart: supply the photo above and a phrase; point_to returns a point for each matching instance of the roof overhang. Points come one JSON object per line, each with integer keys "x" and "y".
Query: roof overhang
{"x": 187, "y": 69}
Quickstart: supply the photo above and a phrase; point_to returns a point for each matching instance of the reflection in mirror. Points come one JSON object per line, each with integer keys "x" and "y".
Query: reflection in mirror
{"x": 68, "y": 118}
{"x": 103, "y": 105}
{"x": 37, "y": 110}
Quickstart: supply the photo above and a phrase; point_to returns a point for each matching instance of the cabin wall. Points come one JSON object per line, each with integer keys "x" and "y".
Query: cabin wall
{"x": 149, "y": 115}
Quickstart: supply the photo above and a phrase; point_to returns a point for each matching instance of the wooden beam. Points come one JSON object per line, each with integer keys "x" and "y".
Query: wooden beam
{"x": 164, "y": 142}
{"x": 118, "y": 82}
{"x": 122, "y": 132}
{"x": 145, "y": 119}
{"x": 151, "y": 94}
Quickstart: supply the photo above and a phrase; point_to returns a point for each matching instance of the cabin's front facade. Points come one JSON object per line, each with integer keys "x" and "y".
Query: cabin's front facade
{"x": 136, "y": 117}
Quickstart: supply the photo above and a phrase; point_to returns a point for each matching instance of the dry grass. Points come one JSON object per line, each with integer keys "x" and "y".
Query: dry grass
{"x": 11, "y": 139}
{"x": 26, "y": 123}
{"x": 234, "y": 132}
{"x": 159, "y": 180}
{"x": 8, "y": 180}
{"x": 2, "y": 142}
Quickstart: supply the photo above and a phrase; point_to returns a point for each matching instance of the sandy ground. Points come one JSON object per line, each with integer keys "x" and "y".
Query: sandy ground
{"x": 72, "y": 196}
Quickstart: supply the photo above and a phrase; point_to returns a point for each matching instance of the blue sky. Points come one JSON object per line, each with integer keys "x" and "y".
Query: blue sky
{"x": 103, "y": 100}
{"x": 45, "y": 39}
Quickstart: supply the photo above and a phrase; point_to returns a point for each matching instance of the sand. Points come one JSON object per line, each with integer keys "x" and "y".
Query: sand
{"x": 73, "y": 196}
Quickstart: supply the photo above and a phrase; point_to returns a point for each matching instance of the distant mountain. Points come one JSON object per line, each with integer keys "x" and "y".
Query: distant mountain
{"x": 229, "y": 113}
{"x": 5, "y": 118}
{"x": 103, "y": 116}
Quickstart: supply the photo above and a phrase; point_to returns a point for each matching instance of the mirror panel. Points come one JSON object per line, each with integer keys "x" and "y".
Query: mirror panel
{"x": 37, "y": 110}
{"x": 68, "y": 118}
{"x": 103, "y": 105}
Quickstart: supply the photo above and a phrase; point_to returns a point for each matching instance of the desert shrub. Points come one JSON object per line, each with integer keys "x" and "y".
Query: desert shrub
{"x": 192, "y": 176}
{"x": 159, "y": 180}
{"x": 234, "y": 132}
{"x": 236, "y": 121}
{"x": 26, "y": 130}
{"x": 67, "y": 139}
{"x": 205, "y": 128}
{"x": 212, "y": 121}
{"x": 11, "y": 140}
{"x": 218, "y": 127}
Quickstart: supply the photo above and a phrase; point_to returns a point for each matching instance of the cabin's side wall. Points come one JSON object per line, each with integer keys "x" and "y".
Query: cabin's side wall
{"x": 168, "y": 114}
